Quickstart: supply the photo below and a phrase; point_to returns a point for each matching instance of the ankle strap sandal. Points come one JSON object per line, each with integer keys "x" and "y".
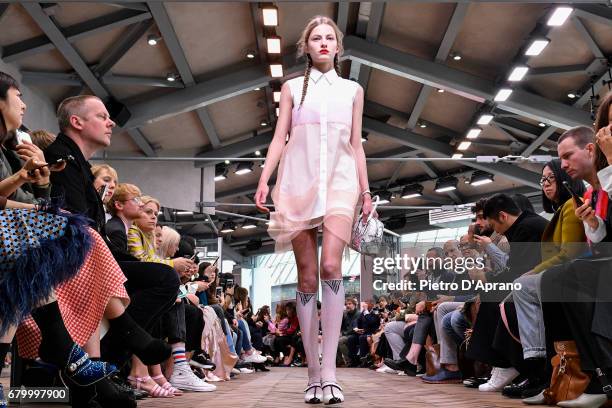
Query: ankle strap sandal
{"x": 332, "y": 392}
{"x": 313, "y": 393}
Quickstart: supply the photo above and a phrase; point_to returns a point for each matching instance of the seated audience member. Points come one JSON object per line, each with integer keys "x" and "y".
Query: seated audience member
{"x": 562, "y": 240}
{"x": 521, "y": 228}
{"x": 42, "y": 138}
{"x": 285, "y": 334}
{"x": 105, "y": 182}
{"x": 250, "y": 354}
{"x": 495, "y": 246}
{"x": 368, "y": 323}
{"x": 523, "y": 202}
{"x": 583, "y": 314}
{"x": 349, "y": 324}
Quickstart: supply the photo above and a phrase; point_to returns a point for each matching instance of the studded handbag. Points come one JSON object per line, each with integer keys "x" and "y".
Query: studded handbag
{"x": 367, "y": 238}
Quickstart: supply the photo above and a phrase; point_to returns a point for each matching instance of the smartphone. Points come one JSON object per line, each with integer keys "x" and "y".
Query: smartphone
{"x": 54, "y": 165}
{"x": 216, "y": 260}
{"x": 575, "y": 196}
{"x": 102, "y": 191}
{"x": 477, "y": 230}
{"x": 219, "y": 291}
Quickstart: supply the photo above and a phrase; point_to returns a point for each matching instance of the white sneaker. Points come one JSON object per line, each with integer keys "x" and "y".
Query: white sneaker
{"x": 235, "y": 371}
{"x": 499, "y": 379}
{"x": 384, "y": 369}
{"x": 313, "y": 393}
{"x": 332, "y": 393}
{"x": 254, "y": 358}
{"x": 184, "y": 379}
{"x": 245, "y": 370}
{"x": 210, "y": 377}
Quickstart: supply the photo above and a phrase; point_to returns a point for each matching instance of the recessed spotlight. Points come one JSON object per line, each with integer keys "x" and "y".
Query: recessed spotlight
{"x": 276, "y": 95}
{"x": 263, "y": 123}
{"x": 277, "y": 112}
{"x": 153, "y": 39}
{"x": 464, "y": 145}
{"x": 257, "y": 89}
{"x": 257, "y": 153}
{"x": 276, "y": 70}
{"x": 456, "y": 56}
{"x": 250, "y": 54}
{"x": 536, "y": 46}
{"x": 559, "y": 16}
{"x": 571, "y": 95}
{"x": 440, "y": 90}
{"x": 542, "y": 124}
{"x": 484, "y": 119}
{"x": 422, "y": 125}
{"x": 518, "y": 73}
{"x": 171, "y": 77}
{"x": 503, "y": 95}
{"x": 227, "y": 162}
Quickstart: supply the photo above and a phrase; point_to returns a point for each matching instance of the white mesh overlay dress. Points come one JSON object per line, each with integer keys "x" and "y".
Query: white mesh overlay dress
{"x": 317, "y": 182}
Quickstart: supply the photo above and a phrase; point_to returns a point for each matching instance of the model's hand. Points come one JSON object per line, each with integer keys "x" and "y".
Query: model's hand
{"x": 260, "y": 198}
{"x": 367, "y": 208}
{"x": 604, "y": 141}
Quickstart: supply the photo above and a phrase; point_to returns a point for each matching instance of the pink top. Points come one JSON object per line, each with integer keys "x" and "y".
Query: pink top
{"x": 317, "y": 182}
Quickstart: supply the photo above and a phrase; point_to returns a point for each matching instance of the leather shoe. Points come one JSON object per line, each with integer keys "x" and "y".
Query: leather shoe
{"x": 401, "y": 365}
{"x": 585, "y": 401}
{"x": 474, "y": 382}
{"x": 536, "y": 399}
{"x": 524, "y": 389}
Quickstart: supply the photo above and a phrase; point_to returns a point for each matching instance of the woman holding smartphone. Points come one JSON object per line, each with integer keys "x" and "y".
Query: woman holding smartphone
{"x": 321, "y": 179}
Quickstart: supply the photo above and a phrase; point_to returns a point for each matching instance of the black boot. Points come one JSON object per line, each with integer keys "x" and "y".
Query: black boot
{"x": 260, "y": 367}
{"x": 125, "y": 333}
{"x": 111, "y": 394}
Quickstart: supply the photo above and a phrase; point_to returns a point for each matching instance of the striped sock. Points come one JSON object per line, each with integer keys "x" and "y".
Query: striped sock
{"x": 178, "y": 353}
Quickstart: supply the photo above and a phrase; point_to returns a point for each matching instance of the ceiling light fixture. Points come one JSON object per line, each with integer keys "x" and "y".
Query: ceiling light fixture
{"x": 572, "y": 95}
{"x": 456, "y": 56}
{"x": 153, "y": 39}
{"x": 250, "y": 54}
{"x": 274, "y": 45}
{"x": 220, "y": 172}
{"x": 249, "y": 225}
{"x": 440, "y": 90}
{"x": 473, "y": 133}
{"x": 257, "y": 153}
{"x": 518, "y": 73}
{"x": 228, "y": 227}
{"x": 171, "y": 77}
{"x": 385, "y": 197}
{"x": 364, "y": 137}
{"x": 277, "y": 112}
{"x": 412, "y": 191}
{"x": 263, "y": 123}
{"x": 270, "y": 16}
{"x": 464, "y": 145}
{"x": 542, "y": 124}
{"x": 446, "y": 184}
{"x": 559, "y": 16}
{"x": 457, "y": 156}
{"x": 277, "y": 96}
{"x": 536, "y": 46}
{"x": 503, "y": 95}
{"x": 276, "y": 70}
{"x": 480, "y": 178}
{"x": 484, "y": 119}
{"x": 422, "y": 125}
{"x": 244, "y": 168}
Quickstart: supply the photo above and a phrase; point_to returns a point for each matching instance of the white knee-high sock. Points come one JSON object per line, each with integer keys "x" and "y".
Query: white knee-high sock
{"x": 332, "y": 306}
{"x": 309, "y": 326}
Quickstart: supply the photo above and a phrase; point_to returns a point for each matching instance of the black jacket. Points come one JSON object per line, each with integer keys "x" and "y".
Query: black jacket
{"x": 349, "y": 322}
{"x": 75, "y": 185}
{"x": 117, "y": 240}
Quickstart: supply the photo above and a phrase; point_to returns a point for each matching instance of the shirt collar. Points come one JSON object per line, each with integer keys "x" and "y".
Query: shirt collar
{"x": 330, "y": 75}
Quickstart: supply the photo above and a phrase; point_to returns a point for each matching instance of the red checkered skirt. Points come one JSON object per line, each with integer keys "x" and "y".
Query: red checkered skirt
{"x": 82, "y": 300}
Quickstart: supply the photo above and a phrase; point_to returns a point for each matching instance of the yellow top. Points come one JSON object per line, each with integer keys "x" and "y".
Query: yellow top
{"x": 142, "y": 246}
{"x": 563, "y": 239}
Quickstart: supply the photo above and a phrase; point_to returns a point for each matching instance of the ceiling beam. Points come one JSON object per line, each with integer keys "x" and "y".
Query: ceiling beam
{"x": 248, "y": 146}
{"x": 72, "y": 79}
{"x": 65, "y": 48}
{"x": 538, "y": 142}
{"x": 162, "y": 19}
{"x": 587, "y": 37}
{"x": 3, "y": 8}
{"x": 419, "y": 142}
{"x": 112, "y": 56}
{"x": 142, "y": 142}
{"x": 598, "y": 13}
{"x": 76, "y": 32}
{"x": 557, "y": 71}
{"x": 437, "y": 75}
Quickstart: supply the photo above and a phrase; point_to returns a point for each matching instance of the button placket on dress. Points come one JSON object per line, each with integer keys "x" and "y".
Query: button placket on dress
{"x": 324, "y": 89}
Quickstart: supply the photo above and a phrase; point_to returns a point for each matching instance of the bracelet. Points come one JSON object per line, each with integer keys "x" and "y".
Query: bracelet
{"x": 366, "y": 192}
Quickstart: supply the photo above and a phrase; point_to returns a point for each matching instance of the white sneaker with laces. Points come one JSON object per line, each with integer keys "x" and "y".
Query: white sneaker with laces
{"x": 245, "y": 370}
{"x": 184, "y": 379}
{"x": 499, "y": 379}
{"x": 254, "y": 358}
{"x": 332, "y": 393}
{"x": 385, "y": 369}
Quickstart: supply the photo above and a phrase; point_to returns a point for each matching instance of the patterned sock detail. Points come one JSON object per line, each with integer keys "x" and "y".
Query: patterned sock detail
{"x": 305, "y": 297}
{"x": 334, "y": 284}
{"x": 179, "y": 356}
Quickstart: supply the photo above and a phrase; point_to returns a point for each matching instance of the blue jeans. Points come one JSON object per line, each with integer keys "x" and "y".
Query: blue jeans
{"x": 455, "y": 325}
{"x": 528, "y": 304}
{"x": 246, "y": 341}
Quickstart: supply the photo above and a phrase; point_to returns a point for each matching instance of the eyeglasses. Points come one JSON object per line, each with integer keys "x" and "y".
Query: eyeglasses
{"x": 135, "y": 200}
{"x": 550, "y": 180}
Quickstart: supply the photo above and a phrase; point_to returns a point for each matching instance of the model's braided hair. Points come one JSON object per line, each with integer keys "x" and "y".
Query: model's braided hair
{"x": 337, "y": 64}
{"x": 306, "y": 78}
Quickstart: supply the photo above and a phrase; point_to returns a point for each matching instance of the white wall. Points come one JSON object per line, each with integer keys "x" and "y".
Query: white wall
{"x": 40, "y": 112}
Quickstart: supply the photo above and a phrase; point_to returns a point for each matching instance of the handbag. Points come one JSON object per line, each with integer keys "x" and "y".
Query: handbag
{"x": 367, "y": 238}
{"x": 432, "y": 360}
{"x": 568, "y": 381}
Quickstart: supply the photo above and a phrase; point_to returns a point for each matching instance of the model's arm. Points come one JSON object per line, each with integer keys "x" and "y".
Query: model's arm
{"x": 276, "y": 147}
{"x": 362, "y": 169}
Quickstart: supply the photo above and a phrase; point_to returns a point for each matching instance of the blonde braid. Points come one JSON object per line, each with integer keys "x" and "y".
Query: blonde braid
{"x": 337, "y": 64}
{"x": 306, "y": 78}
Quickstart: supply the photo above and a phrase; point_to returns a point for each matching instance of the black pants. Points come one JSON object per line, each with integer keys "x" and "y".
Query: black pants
{"x": 152, "y": 288}
{"x": 194, "y": 324}
{"x": 173, "y": 324}
{"x": 282, "y": 344}
{"x": 424, "y": 327}
{"x": 352, "y": 343}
